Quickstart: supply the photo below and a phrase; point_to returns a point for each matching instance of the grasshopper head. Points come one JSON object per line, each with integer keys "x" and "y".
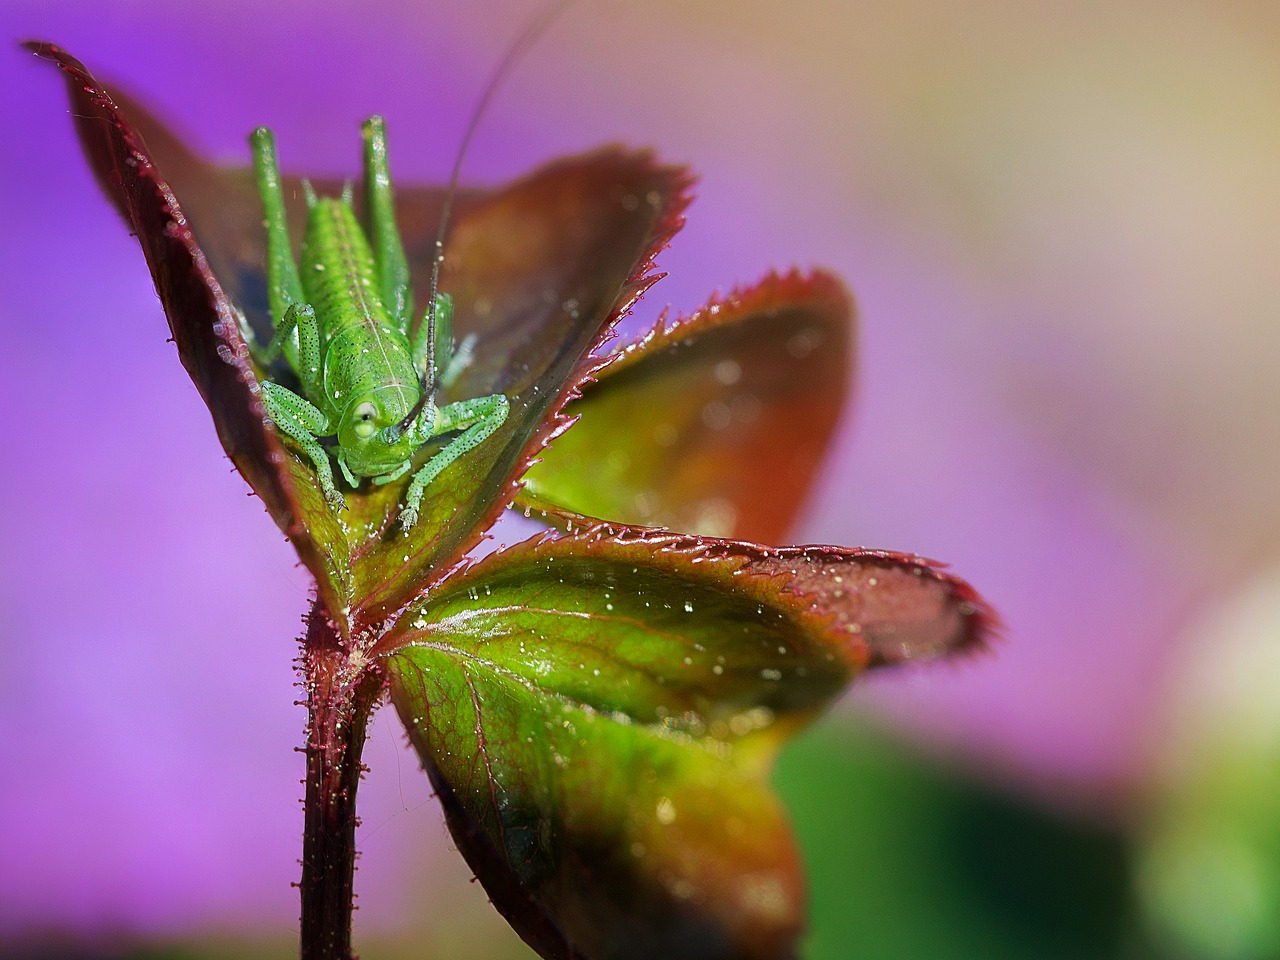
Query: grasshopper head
{"x": 368, "y": 434}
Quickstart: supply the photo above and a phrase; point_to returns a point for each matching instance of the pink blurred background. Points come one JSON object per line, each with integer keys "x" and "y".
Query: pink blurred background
{"x": 1061, "y": 226}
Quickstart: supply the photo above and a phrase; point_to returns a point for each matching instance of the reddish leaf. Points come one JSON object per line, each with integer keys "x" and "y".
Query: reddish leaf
{"x": 715, "y": 424}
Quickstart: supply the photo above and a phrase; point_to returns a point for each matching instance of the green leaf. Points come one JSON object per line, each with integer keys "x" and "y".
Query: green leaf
{"x": 600, "y": 712}
{"x": 679, "y": 425}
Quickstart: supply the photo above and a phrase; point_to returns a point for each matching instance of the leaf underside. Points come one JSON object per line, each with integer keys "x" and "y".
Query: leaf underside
{"x": 599, "y": 713}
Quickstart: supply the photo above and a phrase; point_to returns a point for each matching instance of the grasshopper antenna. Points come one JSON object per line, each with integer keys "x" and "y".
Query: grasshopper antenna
{"x": 527, "y": 37}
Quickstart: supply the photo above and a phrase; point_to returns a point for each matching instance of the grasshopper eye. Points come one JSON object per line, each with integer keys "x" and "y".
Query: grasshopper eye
{"x": 365, "y": 426}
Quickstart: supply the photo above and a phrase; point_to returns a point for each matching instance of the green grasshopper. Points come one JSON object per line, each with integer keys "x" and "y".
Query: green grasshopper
{"x": 344, "y": 325}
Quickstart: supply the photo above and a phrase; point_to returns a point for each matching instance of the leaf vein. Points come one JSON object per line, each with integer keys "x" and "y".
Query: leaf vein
{"x": 483, "y": 747}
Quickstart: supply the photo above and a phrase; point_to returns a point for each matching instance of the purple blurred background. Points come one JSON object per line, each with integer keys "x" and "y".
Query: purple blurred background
{"x": 1061, "y": 227}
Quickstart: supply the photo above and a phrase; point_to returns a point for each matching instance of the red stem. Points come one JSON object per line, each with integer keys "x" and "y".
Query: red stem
{"x": 341, "y": 696}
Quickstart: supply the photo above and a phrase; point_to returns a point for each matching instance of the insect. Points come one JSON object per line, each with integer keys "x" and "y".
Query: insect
{"x": 342, "y": 319}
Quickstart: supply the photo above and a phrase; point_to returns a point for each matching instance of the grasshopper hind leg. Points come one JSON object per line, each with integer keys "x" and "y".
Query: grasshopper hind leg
{"x": 284, "y": 287}
{"x": 390, "y": 263}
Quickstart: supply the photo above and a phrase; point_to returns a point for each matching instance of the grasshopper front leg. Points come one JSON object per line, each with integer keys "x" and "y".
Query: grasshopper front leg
{"x": 303, "y": 422}
{"x": 478, "y": 419}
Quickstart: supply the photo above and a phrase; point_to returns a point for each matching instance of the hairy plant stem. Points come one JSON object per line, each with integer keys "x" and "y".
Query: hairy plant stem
{"x": 341, "y": 693}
